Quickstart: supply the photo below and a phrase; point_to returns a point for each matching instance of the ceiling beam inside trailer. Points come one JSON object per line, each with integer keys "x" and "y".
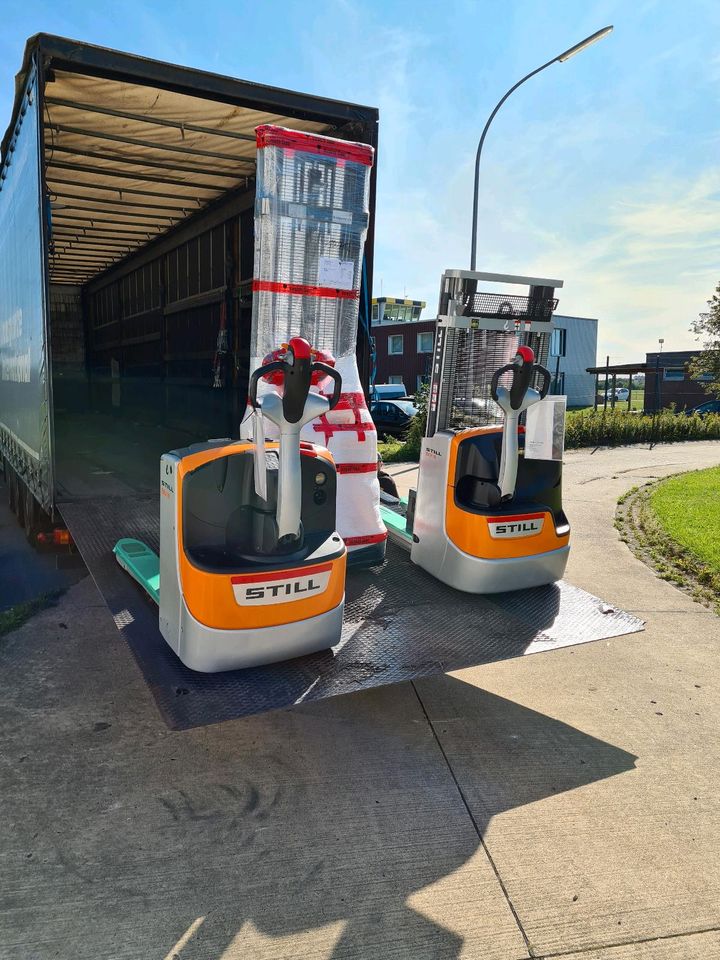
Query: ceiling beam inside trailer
{"x": 114, "y": 188}
{"x": 59, "y": 218}
{"x": 215, "y": 171}
{"x": 53, "y": 127}
{"x": 58, "y": 206}
{"x": 144, "y": 205}
{"x": 139, "y": 118}
{"x": 102, "y": 172}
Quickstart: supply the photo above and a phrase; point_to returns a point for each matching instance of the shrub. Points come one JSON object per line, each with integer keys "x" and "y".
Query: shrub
{"x": 591, "y": 428}
{"x": 410, "y": 449}
{"x": 595, "y": 428}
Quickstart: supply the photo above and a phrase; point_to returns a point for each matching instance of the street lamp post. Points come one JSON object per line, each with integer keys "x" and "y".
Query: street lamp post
{"x": 559, "y": 59}
{"x": 658, "y": 381}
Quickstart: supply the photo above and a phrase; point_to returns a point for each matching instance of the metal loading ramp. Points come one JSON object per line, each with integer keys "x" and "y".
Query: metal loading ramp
{"x": 400, "y": 624}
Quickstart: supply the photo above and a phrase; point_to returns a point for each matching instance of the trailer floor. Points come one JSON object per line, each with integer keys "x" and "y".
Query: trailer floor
{"x": 400, "y": 624}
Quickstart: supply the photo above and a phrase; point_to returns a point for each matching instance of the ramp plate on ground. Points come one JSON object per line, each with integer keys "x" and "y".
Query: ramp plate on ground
{"x": 400, "y": 623}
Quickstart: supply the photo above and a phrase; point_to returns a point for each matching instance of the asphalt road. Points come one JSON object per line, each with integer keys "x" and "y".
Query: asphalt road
{"x": 561, "y": 805}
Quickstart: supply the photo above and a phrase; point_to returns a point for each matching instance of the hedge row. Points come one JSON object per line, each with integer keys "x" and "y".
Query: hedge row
{"x": 593, "y": 428}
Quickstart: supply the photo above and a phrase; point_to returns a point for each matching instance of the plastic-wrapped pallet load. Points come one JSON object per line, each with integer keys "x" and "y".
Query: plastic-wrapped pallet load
{"x": 311, "y": 219}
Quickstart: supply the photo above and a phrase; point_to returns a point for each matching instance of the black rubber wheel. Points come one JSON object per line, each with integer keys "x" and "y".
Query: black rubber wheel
{"x": 30, "y": 515}
{"x": 10, "y": 481}
{"x": 19, "y": 500}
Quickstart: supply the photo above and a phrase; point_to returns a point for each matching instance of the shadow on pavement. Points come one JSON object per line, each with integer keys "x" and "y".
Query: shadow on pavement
{"x": 292, "y": 834}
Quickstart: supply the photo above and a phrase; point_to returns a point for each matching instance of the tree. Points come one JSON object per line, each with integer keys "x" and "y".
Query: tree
{"x": 707, "y": 329}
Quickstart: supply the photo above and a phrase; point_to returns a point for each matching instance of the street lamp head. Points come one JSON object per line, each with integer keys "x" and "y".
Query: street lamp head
{"x": 587, "y": 42}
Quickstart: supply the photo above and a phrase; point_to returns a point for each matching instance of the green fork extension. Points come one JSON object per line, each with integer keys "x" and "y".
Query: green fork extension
{"x": 141, "y": 563}
{"x": 395, "y": 524}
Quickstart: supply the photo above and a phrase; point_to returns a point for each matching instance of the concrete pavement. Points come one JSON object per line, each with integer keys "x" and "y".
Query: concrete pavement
{"x": 563, "y": 805}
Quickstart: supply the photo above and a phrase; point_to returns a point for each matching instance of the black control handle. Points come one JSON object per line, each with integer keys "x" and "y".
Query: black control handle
{"x": 297, "y": 370}
{"x": 547, "y": 380}
{"x": 496, "y": 376}
{"x": 336, "y": 378}
{"x": 297, "y": 380}
{"x": 259, "y": 374}
{"x": 522, "y": 376}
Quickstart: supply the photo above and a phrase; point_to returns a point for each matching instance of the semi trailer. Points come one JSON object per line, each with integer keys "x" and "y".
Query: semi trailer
{"x": 126, "y": 256}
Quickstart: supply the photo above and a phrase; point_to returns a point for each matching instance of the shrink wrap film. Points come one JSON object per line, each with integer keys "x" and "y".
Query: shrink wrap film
{"x": 311, "y": 220}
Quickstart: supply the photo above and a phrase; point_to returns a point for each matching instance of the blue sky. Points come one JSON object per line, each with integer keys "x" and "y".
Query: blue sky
{"x": 602, "y": 171}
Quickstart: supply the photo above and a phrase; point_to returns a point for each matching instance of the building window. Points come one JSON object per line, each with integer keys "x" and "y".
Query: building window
{"x": 395, "y": 344}
{"x": 674, "y": 373}
{"x": 558, "y": 341}
{"x": 375, "y": 311}
{"x": 425, "y": 342}
{"x": 395, "y": 378}
{"x": 422, "y": 381}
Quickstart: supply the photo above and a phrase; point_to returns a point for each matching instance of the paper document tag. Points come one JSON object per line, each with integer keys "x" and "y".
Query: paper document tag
{"x": 545, "y": 429}
{"x": 336, "y": 273}
{"x": 260, "y": 465}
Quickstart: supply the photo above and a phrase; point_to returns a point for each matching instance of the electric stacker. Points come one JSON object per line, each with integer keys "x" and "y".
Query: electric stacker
{"x": 487, "y": 514}
{"x": 251, "y": 568}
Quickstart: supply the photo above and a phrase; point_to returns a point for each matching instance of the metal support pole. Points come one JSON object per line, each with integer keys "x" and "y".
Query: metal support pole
{"x": 473, "y": 244}
{"x": 607, "y": 375}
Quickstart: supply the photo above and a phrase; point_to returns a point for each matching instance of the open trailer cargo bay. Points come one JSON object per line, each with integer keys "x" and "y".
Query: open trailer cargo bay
{"x": 127, "y": 189}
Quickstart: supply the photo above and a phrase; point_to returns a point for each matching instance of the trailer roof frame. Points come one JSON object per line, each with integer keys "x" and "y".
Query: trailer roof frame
{"x": 203, "y": 106}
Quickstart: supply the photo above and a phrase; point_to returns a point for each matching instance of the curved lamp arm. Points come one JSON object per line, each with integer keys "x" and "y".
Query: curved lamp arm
{"x": 561, "y": 58}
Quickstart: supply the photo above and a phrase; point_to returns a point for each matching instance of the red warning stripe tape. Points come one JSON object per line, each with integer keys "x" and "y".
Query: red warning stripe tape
{"x": 369, "y": 538}
{"x": 281, "y": 574}
{"x": 303, "y": 290}
{"x": 515, "y": 518}
{"x": 330, "y": 428}
{"x": 268, "y": 135}
{"x": 356, "y": 467}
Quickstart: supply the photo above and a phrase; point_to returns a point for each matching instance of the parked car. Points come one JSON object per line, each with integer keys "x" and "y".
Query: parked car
{"x": 392, "y": 416}
{"x": 622, "y": 393}
{"x": 710, "y": 406}
{"x": 389, "y": 391}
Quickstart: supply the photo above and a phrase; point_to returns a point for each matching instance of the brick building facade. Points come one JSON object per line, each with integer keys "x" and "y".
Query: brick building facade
{"x": 667, "y": 382}
{"x": 403, "y": 342}
{"x": 404, "y": 352}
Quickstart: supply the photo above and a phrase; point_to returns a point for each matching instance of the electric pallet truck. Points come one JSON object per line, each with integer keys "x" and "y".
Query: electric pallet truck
{"x": 251, "y": 569}
{"x": 486, "y": 518}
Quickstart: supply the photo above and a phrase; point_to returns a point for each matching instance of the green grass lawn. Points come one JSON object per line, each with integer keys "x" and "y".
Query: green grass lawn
{"x": 16, "y": 616}
{"x": 688, "y": 509}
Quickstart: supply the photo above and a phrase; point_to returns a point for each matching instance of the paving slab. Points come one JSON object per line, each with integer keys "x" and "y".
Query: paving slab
{"x": 695, "y": 946}
{"x": 333, "y": 830}
{"x": 631, "y": 857}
